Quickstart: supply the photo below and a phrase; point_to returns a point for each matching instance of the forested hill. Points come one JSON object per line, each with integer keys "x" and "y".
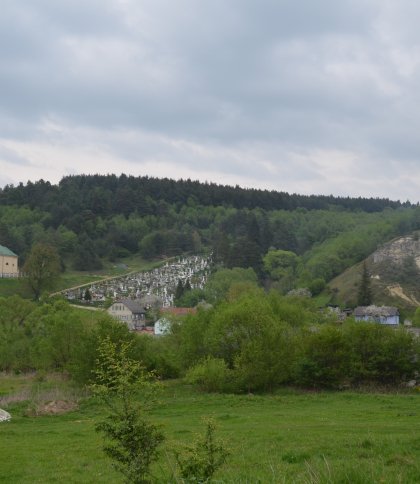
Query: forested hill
{"x": 289, "y": 240}
{"x": 109, "y": 194}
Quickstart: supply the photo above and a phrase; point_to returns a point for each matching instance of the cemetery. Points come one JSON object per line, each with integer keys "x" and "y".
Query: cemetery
{"x": 158, "y": 283}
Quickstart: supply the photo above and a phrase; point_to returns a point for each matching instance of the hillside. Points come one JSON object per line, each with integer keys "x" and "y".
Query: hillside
{"x": 395, "y": 275}
{"x": 95, "y": 222}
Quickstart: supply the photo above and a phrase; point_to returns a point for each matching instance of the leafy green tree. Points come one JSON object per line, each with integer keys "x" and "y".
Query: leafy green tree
{"x": 316, "y": 286}
{"x": 281, "y": 266}
{"x": 280, "y": 263}
{"x": 220, "y": 282}
{"x": 128, "y": 391}
{"x": 191, "y": 298}
{"x": 252, "y": 341}
{"x": 179, "y": 291}
{"x": 364, "y": 296}
{"x": 41, "y": 268}
{"x": 86, "y": 257}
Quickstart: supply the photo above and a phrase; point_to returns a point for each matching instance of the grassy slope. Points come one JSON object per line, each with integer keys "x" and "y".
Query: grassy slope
{"x": 287, "y": 437}
{"x": 71, "y": 278}
{"x": 347, "y": 285}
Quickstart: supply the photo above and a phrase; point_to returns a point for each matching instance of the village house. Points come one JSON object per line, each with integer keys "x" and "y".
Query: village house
{"x": 8, "y": 263}
{"x": 378, "y": 314}
{"x": 129, "y": 311}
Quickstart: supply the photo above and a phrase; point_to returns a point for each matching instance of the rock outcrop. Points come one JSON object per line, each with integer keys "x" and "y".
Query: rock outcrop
{"x": 4, "y": 416}
{"x": 398, "y": 250}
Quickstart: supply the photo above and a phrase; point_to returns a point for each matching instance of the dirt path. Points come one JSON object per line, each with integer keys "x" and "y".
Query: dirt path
{"x": 396, "y": 290}
{"x": 89, "y": 308}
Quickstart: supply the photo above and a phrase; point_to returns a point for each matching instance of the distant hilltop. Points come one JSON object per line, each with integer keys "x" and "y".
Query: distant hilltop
{"x": 127, "y": 193}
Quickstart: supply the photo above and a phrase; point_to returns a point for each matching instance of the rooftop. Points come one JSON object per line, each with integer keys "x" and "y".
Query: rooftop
{"x": 376, "y": 311}
{"x": 134, "y": 305}
{"x": 6, "y": 251}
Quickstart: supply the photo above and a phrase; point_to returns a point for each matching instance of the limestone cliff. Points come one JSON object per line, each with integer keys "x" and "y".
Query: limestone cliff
{"x": 398, "y": 250}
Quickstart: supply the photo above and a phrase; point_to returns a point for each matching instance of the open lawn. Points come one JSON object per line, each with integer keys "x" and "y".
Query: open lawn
{"x": 291, "y": 436}
{"x": 10, "y": 287}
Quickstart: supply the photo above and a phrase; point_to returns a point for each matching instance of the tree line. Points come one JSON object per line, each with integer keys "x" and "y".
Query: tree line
{"x": 109, "y": 194}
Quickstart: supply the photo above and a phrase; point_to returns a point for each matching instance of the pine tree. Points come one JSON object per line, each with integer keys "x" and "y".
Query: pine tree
{"x": 179, "y": 291}
{"x": 364, "y": 297}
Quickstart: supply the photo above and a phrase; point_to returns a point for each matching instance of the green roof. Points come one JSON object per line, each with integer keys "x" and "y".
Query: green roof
{"x": 6, "y": 251}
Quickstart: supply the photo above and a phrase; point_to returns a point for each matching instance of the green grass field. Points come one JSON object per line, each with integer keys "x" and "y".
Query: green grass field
{"x": 10, "y": 287}
{"x": 291, "y": 436}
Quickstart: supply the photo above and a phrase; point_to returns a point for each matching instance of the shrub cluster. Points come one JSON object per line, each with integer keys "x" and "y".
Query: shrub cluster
{"x": 260, "y": 342}
{"x": 53, "y": 336}
{"x": 251, "y": 341}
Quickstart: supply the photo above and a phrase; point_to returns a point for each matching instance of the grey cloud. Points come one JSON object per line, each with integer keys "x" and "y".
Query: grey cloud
{"x": 12, "y": 156}
{"x": 243, "y": 80}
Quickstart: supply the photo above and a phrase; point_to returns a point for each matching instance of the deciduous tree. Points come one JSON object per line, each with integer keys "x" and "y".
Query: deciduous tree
{"x": 42, "y": 268}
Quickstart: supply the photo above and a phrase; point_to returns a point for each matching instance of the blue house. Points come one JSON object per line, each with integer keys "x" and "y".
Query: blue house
{"x": 377, "y": 314}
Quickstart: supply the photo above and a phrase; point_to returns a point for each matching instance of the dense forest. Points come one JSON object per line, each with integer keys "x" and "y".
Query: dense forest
{"x": 291, "y": 240}
{"x": 108, "y": 195}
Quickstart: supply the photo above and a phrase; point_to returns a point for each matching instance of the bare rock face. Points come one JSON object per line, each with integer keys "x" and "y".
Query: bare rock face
{"x": 398, "y": 250}
{"x": 4, "y": 416}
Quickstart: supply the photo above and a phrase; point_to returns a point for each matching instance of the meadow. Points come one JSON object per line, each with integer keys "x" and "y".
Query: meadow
{"x": 290, "y": 436}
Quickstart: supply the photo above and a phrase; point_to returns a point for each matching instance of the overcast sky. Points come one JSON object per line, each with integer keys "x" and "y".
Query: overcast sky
{"x": 297, "y": 95}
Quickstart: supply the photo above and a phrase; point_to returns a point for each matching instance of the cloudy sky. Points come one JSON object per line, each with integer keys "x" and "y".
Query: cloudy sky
{"x": 297, "y": 95}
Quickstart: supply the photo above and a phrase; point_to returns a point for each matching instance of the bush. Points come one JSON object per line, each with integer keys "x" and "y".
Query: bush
{"x": 325, "y": 358}
{"x": 211, "y": 375}
{"x": 317, "y": 286}
{"x": 203, "y": 458}
{"x": 381, "y": 354}
{"x": 356, "y": 353}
